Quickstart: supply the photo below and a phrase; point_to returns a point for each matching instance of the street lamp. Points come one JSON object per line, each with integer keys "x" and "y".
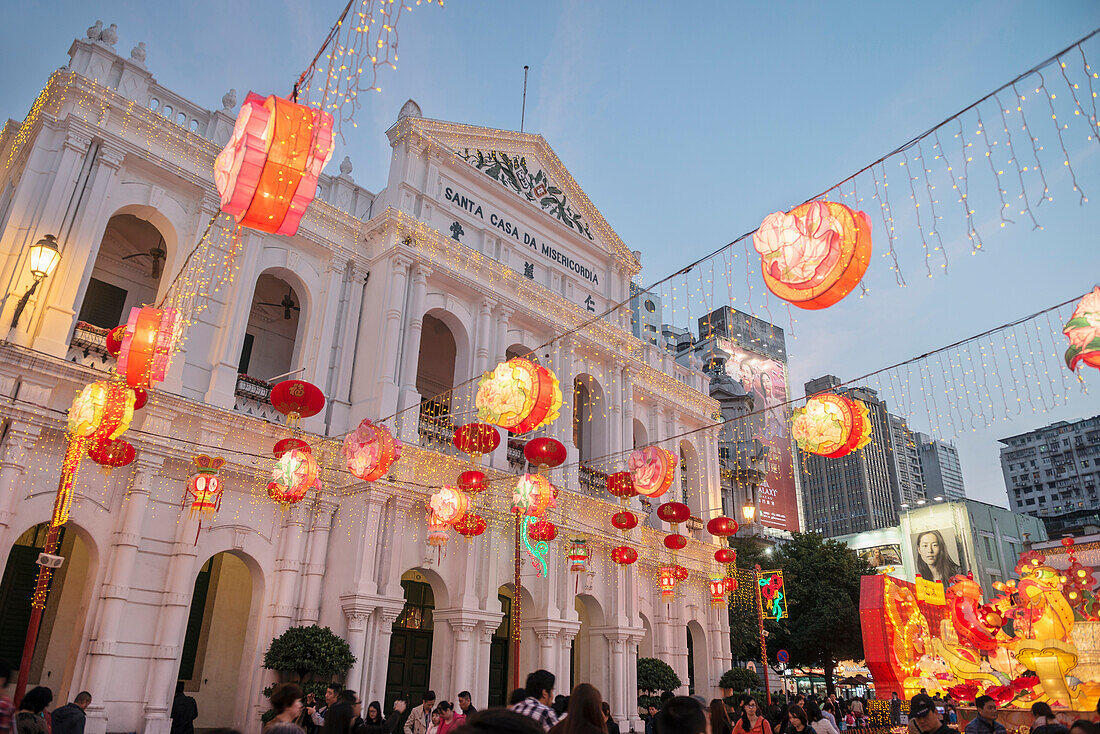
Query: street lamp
{"x": 748, "y": 511}
{"x": 43, "y": 259}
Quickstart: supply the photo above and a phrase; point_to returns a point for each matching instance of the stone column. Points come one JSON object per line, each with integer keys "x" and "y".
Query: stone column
{"x": 617, "y": 677}
{"x": 414, "y": 326}
{"x": 480, "y": 692}
{"x": 357, "y": 638}
{"x": 381, "y": 659}
{"x": 628, "y": 409}
{"x": 565, "y": 642}
{"x": 499, "y": 341}
{"x": 171, "y": 624}
{"x": 287, "y": 566}
{"x": 615, "y": 426}
{"x": 484, "y": 339}
{"x": 318, "y": 555}
{"x": 546, "y": 639}
{"x": 344, "y": 356}
{"x": 21, "y": 436}
{"x": 461, "y": 669}
{"x": 225, "y": 350}
{"x": 391, "y": 349}
{"x": 103, "y": 647}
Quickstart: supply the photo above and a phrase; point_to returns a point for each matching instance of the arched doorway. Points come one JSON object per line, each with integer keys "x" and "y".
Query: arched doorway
{"x": 698, "y": 659}
{"x": 408, "y": 673}
{"x": 212, "y": 659}
{"x": 270, "y": 347}
{"x": 591, "y": 655}
{"x": 501, "y": 662}
{"x": 435, "y": 376}
{"x": 645, "y": 647}
{"x": 61, "y": 629}
{"x": 690, "y": 478}
{"x": 641, "y": 436}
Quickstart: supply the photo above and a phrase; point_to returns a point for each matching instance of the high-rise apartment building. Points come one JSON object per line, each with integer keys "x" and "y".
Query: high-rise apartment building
{"x": 746, "y": 331}
{"x": 905, "y": 454}
{"x": 857, "y": 492}
{"x": 645, "y": 314}
{"x": 939, "y": 462}
{"x": 1053, "y": 473}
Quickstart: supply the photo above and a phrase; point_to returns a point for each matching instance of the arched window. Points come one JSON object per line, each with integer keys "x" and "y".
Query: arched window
{"x": 270, "y": 343}
{"x": 435, "y": 375}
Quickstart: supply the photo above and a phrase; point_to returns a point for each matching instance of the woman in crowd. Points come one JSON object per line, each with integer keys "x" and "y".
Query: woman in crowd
{"x": 751, "y": 722}
{"x": 286, "y": 700}
{"x": 373, "y": 723}
{"x": 818, "y": 722}
{"x": 719, "y": 720}
{"x": 608, "y": 719}
{"x": 1044, "y": 721}
{"x": 585, "y": 713}
{"x": 798, "y": 721}
{"x": 30, "y": 717}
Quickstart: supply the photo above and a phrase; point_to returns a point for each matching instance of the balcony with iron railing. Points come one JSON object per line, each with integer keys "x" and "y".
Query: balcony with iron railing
{"x": 592, "y": 481}
{"x": 435, "y": 427}
{"x": 517, "y": 462}
{"x": 253, "y": 397}
{"x": 89, "y": 346}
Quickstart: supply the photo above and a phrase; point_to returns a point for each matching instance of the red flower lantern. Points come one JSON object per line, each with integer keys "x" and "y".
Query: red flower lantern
{"x": 297, "y": 399}
{"x": 725, "y": 555}
{"x": 673, "y": 512}
{"x": 111, "y": 453}
{"x": 544, "y": 452}
{"x": 448, "y": 505}
{"x": 472, "y": 481}
{"x": 722, "y": 526}
{"x": 518, "y": 395}
{"x": 476, "y": 439}
{"x": 542, "y": 530}
{"x": 621, "y": 485}
{"x": 267, "y": 173}
{"x": 814, "y": 255}
{"x": 286, "y": 444}
{"x": 624, "y": 520}
{"x": 147, "y": 345}
{"x": 1083, "y": 332}
{"x": 294, "y": 474}
{"x": 470, "y": 526}
{"x": 533, "y": 495}
{"x": 675, "y": 542}
{"x": 653, "y": 469}
{"x": 102, "y": 410}
{"x": 370, "y": 450}
{"x": 624, "y": 555}
{"x": 831, "y": 425}
{"x": 205, "y": 487}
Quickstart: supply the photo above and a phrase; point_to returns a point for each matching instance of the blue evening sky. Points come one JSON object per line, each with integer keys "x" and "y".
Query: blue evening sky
{"x": 686, "y": 123}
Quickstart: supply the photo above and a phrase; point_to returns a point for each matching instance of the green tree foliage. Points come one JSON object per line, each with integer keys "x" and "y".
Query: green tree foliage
{"x": 740, "y": 679}
{"x": 656, "y": 676}
{"x": 822, "y": 579}
{"x": 311, "y": 651}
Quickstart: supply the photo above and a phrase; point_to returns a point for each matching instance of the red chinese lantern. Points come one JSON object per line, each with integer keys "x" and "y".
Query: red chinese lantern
{"x": 653, "y": 469}
{"x": 666, "y": 580}
{"x": 578, "y": 555}
{"x": 1068, "y": 542}
{"x": 476, "y": 439}
{"x": 114, "y": 340}
{"x": 111, "y": 453}
{"x": 725, "y": 555}
{"x": 731, "y": 584}
{"x": 286, "y": 444}
{"x": 294, "y": 474}
{"x": 205, "y": 487}
{"x": 297, "y": 399}
{"x": 472, "y": 481}
{"x": 141, "y": 397}
{"x": 722, "y": 526}
{"x": 518, "y": 395}
{"x": 370, "y": 450}
{"x": 815, "y": 254}
{"x": 544, "y": 452}
{"x": 675, "y": 542}
{"x": 624, "y": 555}
{"x": 542, "y": 530}
{"x": 624, "y": 520}
{"x": 147, "y": 344}
{"x": 673, "y": 512}
{"x": 718, "y": 591}
{"x": 267, "y": 173}
{"x": 621, "y": 485}
{"x": 831, "y": 425}
{"x": 471, "y": 525}
{"x": 533, "y": 495}
{"x": 681, "y": 572}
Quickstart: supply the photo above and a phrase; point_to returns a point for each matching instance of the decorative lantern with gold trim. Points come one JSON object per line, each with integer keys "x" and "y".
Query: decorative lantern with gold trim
{"x": 205, "y": 486}
{"x": 294, "y": 475}
{"x": 831, "y": 425}
{"x": 653, "y": 469}
{"x": 518, "y": 395}
{"x": 370, "y": 450}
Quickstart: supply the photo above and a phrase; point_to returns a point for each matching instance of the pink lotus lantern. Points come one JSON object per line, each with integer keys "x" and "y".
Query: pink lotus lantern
{"x": 653, "y": 469}
{"x": 267, "y": 173}
{"x": 1083, "y": 332}
{"x": 370, "y": 450}
{"x": 448, "y": 505}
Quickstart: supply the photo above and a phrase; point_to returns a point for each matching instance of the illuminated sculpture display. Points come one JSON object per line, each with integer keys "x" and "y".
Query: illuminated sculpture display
{"x": 831, "y": 425}
{"x": 1035, "y": 640}
{"x": 370, "y": 450}
{"x": 267, "y": 173}
{"x": 518, "y": 395}
{"x": 815, "y": 254}
{"x": 653, "y": 469}
{"x": 1083, "y": 332}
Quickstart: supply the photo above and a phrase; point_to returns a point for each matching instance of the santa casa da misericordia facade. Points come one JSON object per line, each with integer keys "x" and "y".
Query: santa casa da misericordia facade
{"x": 480, "y": 247}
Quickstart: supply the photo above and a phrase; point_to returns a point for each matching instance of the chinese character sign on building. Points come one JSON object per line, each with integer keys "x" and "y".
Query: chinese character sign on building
{"x": 773, "y": 594}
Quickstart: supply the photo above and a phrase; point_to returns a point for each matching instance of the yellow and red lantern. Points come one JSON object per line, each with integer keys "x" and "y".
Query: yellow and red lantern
{"x": 267, "y": 173}
{"x": 831, "y": 425}
{"x": 673, "y": 513}
{"x": 624, "y": 520}
{"x": 624, "y": 555}
{"x": 102, "y": 410}
{"x": 294, "y": 475}
{"x": 1083, "y": 332}
{"x": 146, "y": 350}
{"x": 675, "y": 542}
{"x": 666, "y": 580}
{"x": 286, "y": 444}
{"x": 111, "y": 453}
{"x": 815, "y": 254}
{"x": 472, "y": 481}
{"x": 653, "y": 469}
{"x": 114, "y": 340}
{"x": 726, "y": 556}
{"x": 448, "y": 505}
{"x": 621, "y": 485}
{"x": 205, "y": 486}
{"x": 533, "y": 495}
{"x": 722, "y": 526}
{"x": 518, "y": 395}
{"x": 470, "y": 525}
{"x": 370, "y": 450}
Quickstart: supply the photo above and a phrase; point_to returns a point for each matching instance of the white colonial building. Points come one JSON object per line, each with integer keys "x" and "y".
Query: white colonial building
{"x": 481, "y": 246}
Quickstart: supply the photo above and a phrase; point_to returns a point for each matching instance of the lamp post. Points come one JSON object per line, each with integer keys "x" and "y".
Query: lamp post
{"x": 42, "y": 259}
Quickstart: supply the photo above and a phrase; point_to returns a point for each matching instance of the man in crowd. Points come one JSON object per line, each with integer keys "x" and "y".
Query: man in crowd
{"x": 69, "y": 719}
{"x": 317, "y": 715}
{"x": 923, "y": 713}
{"x": 540, "y": 692}
{"x": 341, "y": 715}
{"x": 465, "y": 704}
{"x": 420, "y": 718}
{"x": 986, "y": 720}
{"x": 682, "y": 715}
{"x": 184, "y": 712}
{"x": 895, "y": 709}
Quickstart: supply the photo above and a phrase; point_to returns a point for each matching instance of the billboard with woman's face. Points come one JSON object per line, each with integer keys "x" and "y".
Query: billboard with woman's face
{"x": 938, "y": 554}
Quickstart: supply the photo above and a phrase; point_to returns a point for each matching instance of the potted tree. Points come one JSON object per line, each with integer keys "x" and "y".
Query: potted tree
{"x": 311, "y": 656}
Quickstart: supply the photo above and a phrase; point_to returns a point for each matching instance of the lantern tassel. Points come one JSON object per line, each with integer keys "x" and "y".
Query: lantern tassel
{"x": 69, "y": 467}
